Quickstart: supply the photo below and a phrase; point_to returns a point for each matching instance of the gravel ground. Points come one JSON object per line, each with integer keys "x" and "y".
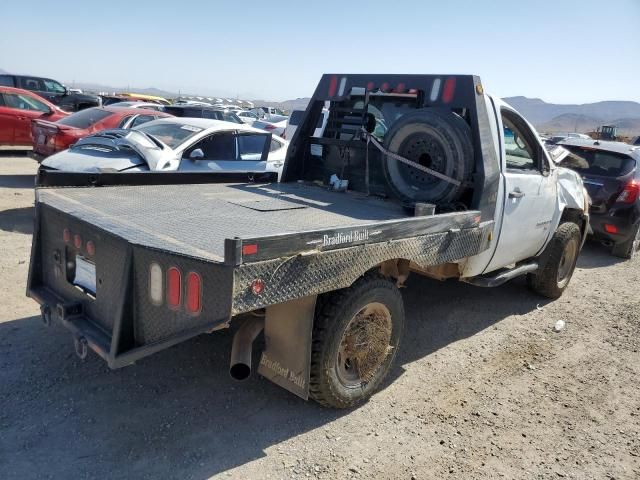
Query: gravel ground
{"x": 484, "y": 388}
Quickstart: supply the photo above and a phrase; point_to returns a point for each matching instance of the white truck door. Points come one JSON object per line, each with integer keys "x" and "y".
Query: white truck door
{"x": 530, "y": 193}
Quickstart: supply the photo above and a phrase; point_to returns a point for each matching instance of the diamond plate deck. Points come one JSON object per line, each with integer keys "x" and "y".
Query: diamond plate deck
{"x": 194, "y": 220}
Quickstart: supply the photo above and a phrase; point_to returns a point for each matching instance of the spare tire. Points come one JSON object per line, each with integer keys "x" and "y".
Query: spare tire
{"x": 437, "y": 139}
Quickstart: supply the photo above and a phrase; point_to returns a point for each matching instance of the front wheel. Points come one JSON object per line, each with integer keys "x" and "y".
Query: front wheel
{"x": 356, "y": 335}
{"x": 557, "y": 262}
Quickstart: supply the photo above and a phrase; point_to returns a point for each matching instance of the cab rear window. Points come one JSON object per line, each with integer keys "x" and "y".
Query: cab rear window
{"x": 85, "y": 118}
{"x": 598, "y": 162}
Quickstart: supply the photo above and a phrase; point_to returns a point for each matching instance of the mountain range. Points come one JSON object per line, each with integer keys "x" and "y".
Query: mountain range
{"x": 553, "y": 118}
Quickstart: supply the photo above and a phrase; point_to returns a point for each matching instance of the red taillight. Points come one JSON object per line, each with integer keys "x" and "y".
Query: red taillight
{"x": 77, "y": 241}
{"x": 449, "y": 89}
{"x": 250, "y": 249}
{"x": 194, "y": 293}
{"x": 174, "y": 287}
{"x": 91, "y": 248}
{"x": 333, "y": 85}
{"x": 610, "y": 228}
{"x": 66, "y": 235}
{"x": 630, "y": 193}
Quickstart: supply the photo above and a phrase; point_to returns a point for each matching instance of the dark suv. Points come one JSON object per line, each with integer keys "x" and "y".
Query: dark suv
{"x": 53, "y": 91}
{"x": 611, "y": 174}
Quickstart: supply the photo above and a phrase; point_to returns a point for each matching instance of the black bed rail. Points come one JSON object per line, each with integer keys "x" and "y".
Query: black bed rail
{"x": 56, "y": 178}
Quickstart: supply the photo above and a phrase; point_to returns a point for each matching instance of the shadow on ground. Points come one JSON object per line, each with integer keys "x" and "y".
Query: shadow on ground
{"x": 596, "y": 255}
{"x": 17, "y": 220}
{"x": 177, "y": 414}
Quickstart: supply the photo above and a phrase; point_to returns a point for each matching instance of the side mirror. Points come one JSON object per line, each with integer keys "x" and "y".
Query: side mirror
{"x": 197, "y": 154}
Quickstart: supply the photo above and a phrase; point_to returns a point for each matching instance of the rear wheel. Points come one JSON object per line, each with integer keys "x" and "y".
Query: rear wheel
{"x": 630, "y": 248}
{"x": 356, "y": 335}
{"x": 557, "y": 262}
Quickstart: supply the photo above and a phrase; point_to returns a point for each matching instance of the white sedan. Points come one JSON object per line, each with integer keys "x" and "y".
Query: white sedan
{"x": 175, "y": 144}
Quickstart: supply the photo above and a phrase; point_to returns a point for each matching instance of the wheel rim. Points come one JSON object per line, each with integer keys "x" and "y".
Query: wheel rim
{"x": 365, "y": 345}
{"x": 567, "y": 262}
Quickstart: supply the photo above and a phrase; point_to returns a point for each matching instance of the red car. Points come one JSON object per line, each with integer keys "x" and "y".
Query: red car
{"x": 53, "y": 137}
{"x": 17, "y": 109}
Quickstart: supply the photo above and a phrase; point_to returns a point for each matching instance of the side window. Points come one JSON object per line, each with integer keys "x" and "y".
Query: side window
{"x": 6, "y": 81}
{"x": 221, "y": 146}
{"x": 2, "y": 102}
{"x": 23, "y": 102}
{"x": 34, "y": 84}
{"x": 123, "y": 123}
{"x": 53, "y": 86}
{"x": 519, "y": 144}
{"x": 140, "y": 119}
{"x": 251, "y": 146}
{"x": 213, "y": 114}
{"x": 275, "y": 145}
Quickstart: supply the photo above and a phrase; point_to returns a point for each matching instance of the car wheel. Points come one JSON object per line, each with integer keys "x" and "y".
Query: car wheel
{"x": 630, "y": 248}
{"x": 356, "y": 334}
{"x": 557, "y": 262}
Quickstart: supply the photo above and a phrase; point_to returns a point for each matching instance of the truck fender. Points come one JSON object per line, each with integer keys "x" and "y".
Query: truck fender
{"x": 572, "y": 202}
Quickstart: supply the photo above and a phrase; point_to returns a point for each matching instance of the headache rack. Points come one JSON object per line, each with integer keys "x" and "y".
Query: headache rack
{"x": 344, "y": 150}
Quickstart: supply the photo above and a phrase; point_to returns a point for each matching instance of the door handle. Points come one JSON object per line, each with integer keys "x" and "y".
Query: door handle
{"x": 516, "y": 194}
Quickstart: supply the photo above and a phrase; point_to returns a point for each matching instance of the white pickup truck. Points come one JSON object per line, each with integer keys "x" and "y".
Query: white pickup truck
{"x": 434, "y": 178}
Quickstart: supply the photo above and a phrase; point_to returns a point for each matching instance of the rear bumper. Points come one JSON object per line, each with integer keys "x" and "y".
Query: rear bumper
{"x": 119, "y": 322}
{"x": 622, "y": 219}
{"x": 101, "y": 342}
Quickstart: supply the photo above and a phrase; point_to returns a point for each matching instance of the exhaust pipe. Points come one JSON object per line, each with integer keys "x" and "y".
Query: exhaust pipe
{"x": 240, "y": 367}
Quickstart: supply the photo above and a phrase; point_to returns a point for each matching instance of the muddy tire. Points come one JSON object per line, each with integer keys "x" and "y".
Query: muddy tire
{"x": 630, "y": 248}
{"x": 433, "y": 138}
{"x": 356, "y": 334}
{"x": 557, "y": 262}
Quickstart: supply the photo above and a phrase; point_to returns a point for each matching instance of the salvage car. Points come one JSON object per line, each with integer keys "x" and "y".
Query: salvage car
{"x": 175, "y": 144}
{"x": 137, "y": 104}
{"x": 52, "y": 90}
{"x": 202, "y": 111}
{"x": 52, "y": 137}
{"x": 131, "y": 270}
{"x": 611, "y": 173}
{"x": 17, "y": 109}
{"x": 277, "y": 128}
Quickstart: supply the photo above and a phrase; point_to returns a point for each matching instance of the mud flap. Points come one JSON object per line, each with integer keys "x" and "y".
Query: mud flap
{"x": 286, "y": 358}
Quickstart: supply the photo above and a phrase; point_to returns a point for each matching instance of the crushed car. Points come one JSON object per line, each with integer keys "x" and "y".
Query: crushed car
{"x": 175, "y": 144}
{"x": 611, "y": 173}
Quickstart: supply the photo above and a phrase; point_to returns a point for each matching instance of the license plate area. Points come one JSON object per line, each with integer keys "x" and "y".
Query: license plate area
{"x": 82, "y": 275}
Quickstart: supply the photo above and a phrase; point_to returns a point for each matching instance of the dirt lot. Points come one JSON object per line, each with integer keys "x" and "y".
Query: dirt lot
{"x": 483, "y": 389}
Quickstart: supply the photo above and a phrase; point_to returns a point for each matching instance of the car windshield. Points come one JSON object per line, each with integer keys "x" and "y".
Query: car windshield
{"x": 85, "y": 118}
{"x": 171, "y": 134}
{"x": 588, "y": 161}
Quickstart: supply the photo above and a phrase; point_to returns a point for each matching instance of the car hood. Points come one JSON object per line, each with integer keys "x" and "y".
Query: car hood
{"x": 93, "y": 161}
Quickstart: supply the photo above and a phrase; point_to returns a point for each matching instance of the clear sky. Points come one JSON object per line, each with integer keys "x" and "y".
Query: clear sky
{"x": 564, "y": 51}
